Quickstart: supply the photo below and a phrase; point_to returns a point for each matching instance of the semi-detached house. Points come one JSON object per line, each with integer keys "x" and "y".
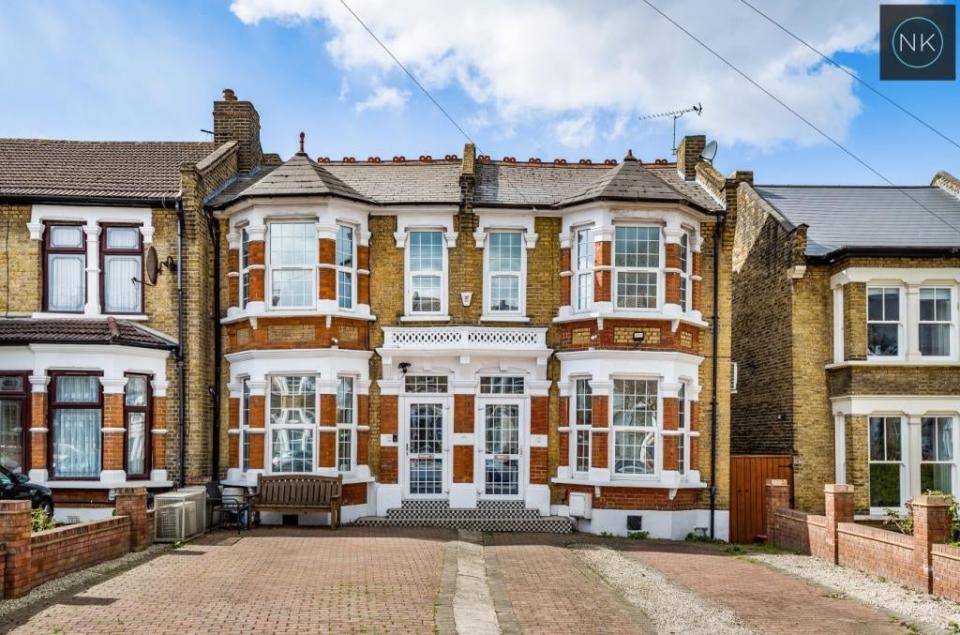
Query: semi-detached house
{"x": 501, "y": 341}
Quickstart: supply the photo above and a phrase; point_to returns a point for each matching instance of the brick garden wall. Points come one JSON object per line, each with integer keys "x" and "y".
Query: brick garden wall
{"x": 874, "y": 550}
{"x": 64, "y": 549}
{"x": 946, "y": 571}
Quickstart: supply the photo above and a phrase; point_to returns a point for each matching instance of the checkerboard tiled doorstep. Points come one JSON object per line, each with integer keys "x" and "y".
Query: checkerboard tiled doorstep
{"x": 498, "y": 516}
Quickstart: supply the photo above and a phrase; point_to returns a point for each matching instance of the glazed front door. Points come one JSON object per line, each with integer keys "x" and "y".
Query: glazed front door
{"x": 425, "y": 464}
{"x": 501, "y": 458}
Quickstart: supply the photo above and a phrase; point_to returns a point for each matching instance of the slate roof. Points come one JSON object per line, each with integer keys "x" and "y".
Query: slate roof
{"x": 871, "y": 217}
{"x": 499, "y": 184}
{"x": 125, "y": 170}
{"x": 21, "y": 331}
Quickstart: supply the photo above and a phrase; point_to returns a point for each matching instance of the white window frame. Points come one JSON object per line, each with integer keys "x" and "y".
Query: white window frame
{"x": 686, "y": 270}
{"x": 903, "y": 462}
{"x": 521, "y": 276}
{"x": 949, "y": 322}
{"x": 80, "y": 253}
{"x": 900, "y": 322}
{"x": 350, "y": 271}
{"x": 271, "y": 268}
{"x": 683, "y": 427}
{"x": 350, "y": 427}
{"x": 954, "y": 463}
{"x": 576, "y": 427}
{"x": 243, "y": 264}
{"x": 408, "y": 276}
{"x": 313, "y": 428}
{"x": 244, "y": 423}
{"x": 584, "y": 271}
{"x": 658, "y": 270}
{"x": 615, "y": 430}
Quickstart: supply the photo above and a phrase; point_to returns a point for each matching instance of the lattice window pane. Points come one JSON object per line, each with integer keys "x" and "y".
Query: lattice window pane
{"x": 636, "y": 289}
{"x": 292, "y": 450}
{"x": 426, "y": 383}
{"x": 637, "y": 246}
{"x": 501, "y": 385}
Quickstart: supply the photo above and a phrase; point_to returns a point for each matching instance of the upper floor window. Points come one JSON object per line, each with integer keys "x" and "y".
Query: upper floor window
{"x": 65, "y": 264}
{"x": 504, "y": 261}
{"x": 635, "y": 418}
{"x": 935, "y": 322}
{"x": 346, "y": 266}
{"x": 122, "y": 270}
{"x": 346, "y": 423}
{"x": 685, "y": 266}
{"x": 293, "y": 422}
{"x": 883, "y": 321}
{"x": 583, "y": 270}
{"x": 582, "y": 422}
{"x": 637, "y": 266}
{"x": 293, "y": 265}
{"x": 426, "y": 273}
{"x": 244, "y": 267}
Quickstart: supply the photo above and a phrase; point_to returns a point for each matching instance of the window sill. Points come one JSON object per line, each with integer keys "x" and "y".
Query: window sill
{"x": 240, "y": 316}
{"x": 884, "y": 363}
{"x": 98, "y": 484}
{"x": 693, "y": 317}
{"x": 425, "y": 318}
{"x": 505, "y": 318}
{"x": 135, "y": 317}
{"x": 636, "y": 483}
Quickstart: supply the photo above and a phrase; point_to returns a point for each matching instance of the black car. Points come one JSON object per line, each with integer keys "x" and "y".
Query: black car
{"x": 18, "y": 487}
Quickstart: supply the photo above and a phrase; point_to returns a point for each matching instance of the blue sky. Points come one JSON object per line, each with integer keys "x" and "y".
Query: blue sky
{"x": 538, "y": 79}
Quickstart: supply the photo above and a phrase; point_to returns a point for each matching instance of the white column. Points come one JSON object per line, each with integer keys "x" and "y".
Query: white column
{"x": 910, "y": 320}
{"x": 840, "y": 448}
{"x": 911, "y": 455}
{"x": 838, "y": 332}
{"x": 92, "y": 230}
{"x": 39, "y": 381}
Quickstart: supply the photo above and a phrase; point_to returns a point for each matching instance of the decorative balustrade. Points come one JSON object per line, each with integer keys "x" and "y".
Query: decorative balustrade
{"x": 464, "y": 338}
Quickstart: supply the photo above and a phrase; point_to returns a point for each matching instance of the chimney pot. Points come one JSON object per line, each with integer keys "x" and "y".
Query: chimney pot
{"x": 229, "y": 95}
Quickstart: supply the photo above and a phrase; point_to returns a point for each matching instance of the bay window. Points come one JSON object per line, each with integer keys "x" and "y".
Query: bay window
{"x": 244, "y": 266}
{"x": 635, "y": 423}
{"x": 14, "y": 421}
{"x": 936, "y": 454}
{"x": 935, "y": 322}
{"x": 582, "y": 422}
{"x": 293, "y": 265}
{"x": 64, "y": 268}
{"x": 76, "y": 414}
{"x": 136, "y": 412}
{"x": 504, "y": 276}
{"x": 346, "y": 423}
{"x": 425, "y": 273}
{"x": 637, "y": 266}
{"x": 883, "y": 321}
{"x": 583, "y": 270}
{"x": 886, "y": 456}
{"x": 293, "y": 421}
{"x": 346, "y": 266}
{"x": 122, "y": 269}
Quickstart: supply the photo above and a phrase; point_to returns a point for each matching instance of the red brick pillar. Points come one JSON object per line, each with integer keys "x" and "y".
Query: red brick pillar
{"x": 256, "y": 265}
{"x": 697, "y": 282}
{"x": 838, "y": 503}
{"x": 694, "y": 441}
{"x": 389, "y": 460}
{"x": 132, "y": 503}
{"x": 672, "y": 275}
{"x": 233, "y": 278}
{"x": 363, "y": 432}
{"x": 778, "y": 497}
{"x": 257, "y": 414}
{"x": 233, "y": 433}
{"x": 599, "y": 435}
{"x": 566, "y": 277}
{"x": 539, "y": 462}
{"x": 563, "y": 459}
{"x": 113, "y": 436}
{"x": 931, "y": 524}
{"x": 363, "y": 274}
{"x": 463, "y": 423}
{"x": 16, "y": 524}
{"x": 328, "y": 432}
{"x": 603, "y": 275}
{"x": 328, "y": 271}
{"x": 38, "y": 422}
{"x": 671, "y": 444}
{"x": 158, "y": 433}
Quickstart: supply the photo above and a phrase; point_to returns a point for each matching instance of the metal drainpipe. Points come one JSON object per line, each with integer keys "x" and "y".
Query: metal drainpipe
{"x": 217, "y": 345}
{"x": 715, "y": 346}
{"x": 181, "y": 362}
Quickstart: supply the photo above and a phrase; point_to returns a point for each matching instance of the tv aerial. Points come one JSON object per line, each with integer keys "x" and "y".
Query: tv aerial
{"x": 676, "y": 114}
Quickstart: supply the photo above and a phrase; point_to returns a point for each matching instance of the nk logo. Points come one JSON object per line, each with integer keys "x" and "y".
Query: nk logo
{"x": 918, "y": 42}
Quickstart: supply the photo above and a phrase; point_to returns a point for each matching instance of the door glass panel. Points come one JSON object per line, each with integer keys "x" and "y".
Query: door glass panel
{"x": 502, "y": 450}
{"x": 425, "y": 448}
{"x": 11, "y": 435}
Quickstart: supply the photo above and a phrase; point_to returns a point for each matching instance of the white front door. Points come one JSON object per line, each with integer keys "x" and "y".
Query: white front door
{"x": 501, "y": 450}
{"x": 425, "y": 465}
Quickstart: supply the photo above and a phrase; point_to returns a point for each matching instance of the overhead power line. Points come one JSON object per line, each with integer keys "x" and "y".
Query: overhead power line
{"x": 799, "y": 116}
{"x": 862, "y": 82}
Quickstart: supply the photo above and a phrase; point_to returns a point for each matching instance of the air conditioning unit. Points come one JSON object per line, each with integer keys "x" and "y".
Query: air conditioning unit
{"x": 168, "y": 523}
{"x": 181, "y": 514}
{"x": 581, "y": 504}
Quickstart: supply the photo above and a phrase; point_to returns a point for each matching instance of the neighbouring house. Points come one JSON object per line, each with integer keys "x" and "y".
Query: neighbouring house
{"x": 90, "y": 391}
{"x": 846, "y": 338}
{"x": 485, "y": 340}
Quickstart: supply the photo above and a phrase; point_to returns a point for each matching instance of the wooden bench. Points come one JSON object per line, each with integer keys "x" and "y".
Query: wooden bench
{"x": 288, "y": 493}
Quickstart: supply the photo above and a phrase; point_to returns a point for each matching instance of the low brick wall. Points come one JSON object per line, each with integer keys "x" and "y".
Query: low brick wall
{"x": 888, "y": 554}
{"x": 28, "y": 559}
{"x": 65, "y": 549}
{"x": 921, "y": 561}
{"x": 946, "y": 571}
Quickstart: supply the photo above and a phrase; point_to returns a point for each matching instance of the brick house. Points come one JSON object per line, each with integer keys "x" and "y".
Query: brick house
{"x": 845, "y": 335}
{"x": 91, "y": 396}
{"x": 479, "y": 335}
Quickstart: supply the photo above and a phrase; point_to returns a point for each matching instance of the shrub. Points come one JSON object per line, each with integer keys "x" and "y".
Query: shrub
{"x": 42, "y": 521}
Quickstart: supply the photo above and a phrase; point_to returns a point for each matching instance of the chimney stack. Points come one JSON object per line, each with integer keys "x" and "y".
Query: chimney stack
{"x": 235, "y": 120}
{"x": 688, "y": 155}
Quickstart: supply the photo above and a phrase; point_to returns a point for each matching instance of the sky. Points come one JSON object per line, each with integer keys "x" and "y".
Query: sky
{"x": 532, "y": 78}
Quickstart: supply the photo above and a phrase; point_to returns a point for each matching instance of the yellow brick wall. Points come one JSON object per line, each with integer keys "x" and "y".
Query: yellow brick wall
{"x": 20, "y": 277}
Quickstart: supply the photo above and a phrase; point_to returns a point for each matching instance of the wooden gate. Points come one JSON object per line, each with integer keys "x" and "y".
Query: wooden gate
{"x": 748, "y": 511}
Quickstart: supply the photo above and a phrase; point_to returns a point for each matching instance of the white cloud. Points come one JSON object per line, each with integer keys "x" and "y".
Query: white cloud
{"x": 567, "y": 65}
{"x": 383, "y": 98}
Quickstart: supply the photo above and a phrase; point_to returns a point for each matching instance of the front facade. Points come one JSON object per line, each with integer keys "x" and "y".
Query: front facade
{"x": 846, "y": 322}
{"x": 467, "y": 332}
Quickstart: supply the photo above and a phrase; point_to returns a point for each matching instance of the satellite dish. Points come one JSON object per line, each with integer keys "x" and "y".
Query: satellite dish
{"x": 151, "y": 266}
{"x": 709, "y": 152}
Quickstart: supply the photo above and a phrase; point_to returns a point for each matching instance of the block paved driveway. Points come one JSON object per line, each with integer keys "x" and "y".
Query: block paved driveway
{"x": 359, "y": 580}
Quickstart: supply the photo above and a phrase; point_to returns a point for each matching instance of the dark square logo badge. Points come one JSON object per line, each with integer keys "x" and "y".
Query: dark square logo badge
{"x": 918, "y": 41}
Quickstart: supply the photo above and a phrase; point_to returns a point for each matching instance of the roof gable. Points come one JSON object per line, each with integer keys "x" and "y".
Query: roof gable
{"x": 301, "y": 177}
